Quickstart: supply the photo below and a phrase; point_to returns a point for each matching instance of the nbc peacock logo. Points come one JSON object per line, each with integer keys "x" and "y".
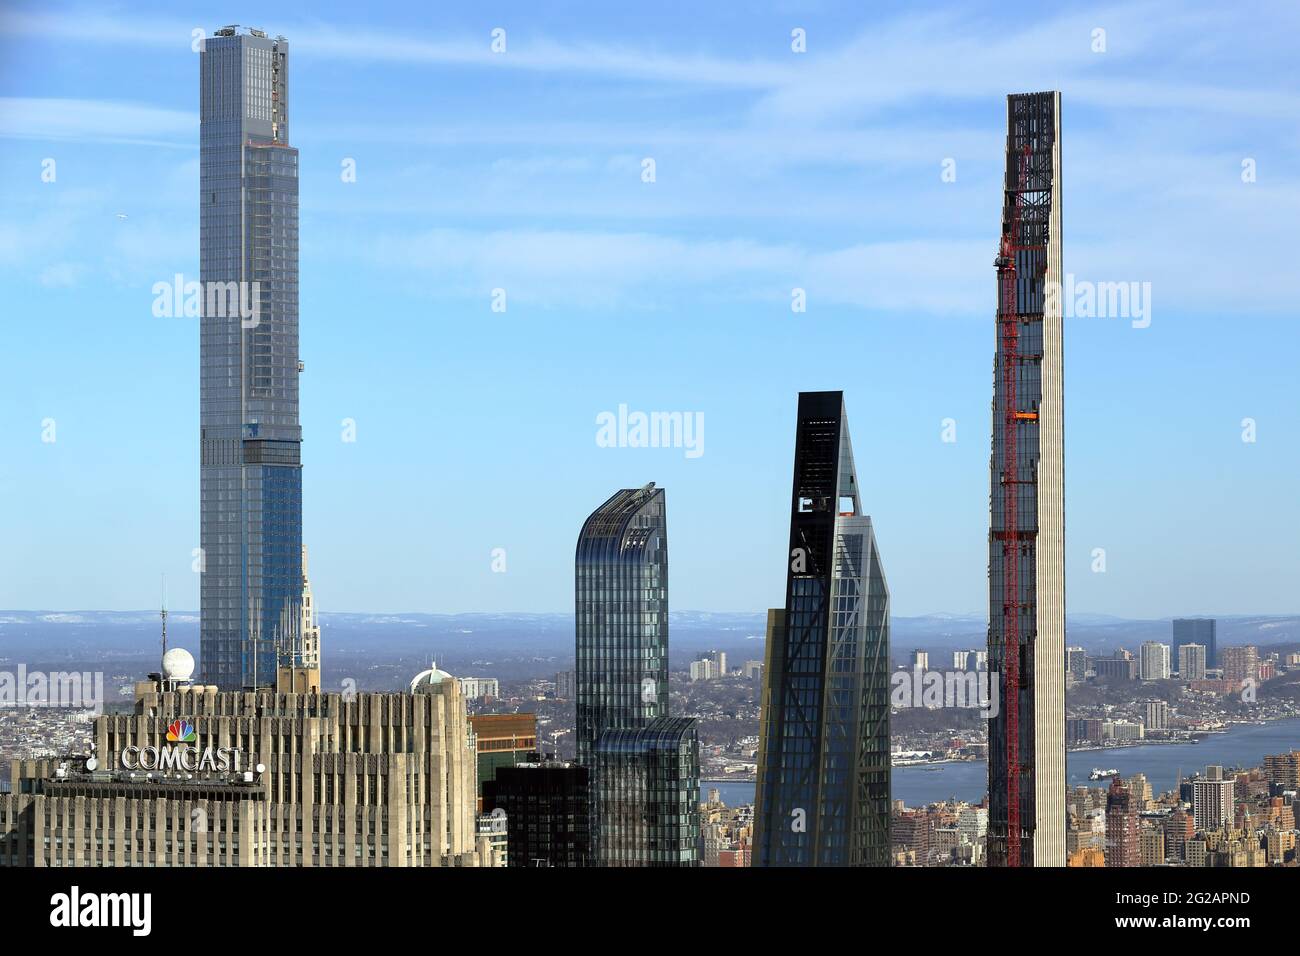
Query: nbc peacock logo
{"x": 180, "y": 732}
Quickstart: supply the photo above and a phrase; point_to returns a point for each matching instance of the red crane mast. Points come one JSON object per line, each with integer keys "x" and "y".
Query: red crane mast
{"x": 1009, "y": 333}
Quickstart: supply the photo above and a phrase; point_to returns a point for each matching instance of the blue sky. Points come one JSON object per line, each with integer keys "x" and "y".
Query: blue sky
{"x": 774, "y": 170}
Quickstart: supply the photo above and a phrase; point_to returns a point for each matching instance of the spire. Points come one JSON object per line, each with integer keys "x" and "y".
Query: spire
{"x": 163, "y": 614}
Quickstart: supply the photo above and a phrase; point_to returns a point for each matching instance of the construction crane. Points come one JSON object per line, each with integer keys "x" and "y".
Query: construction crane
{"x": 1009, "y": 335}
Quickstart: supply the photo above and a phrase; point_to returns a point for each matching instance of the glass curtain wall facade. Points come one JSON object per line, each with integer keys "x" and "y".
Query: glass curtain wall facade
{"x": 621, "y": 616}
{"x": 250, "y": 439}
{"x": 1027, "y": 502}
{"x": 646, "y": 792}
{"x": 546, "y": 813}
{"x": 644, "y": 765}
{"x": 1195, "y": 630}
{"x": 824, "y": 767}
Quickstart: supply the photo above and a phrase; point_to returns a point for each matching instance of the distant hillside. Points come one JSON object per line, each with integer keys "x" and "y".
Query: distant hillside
{"x": 60, "y": 635}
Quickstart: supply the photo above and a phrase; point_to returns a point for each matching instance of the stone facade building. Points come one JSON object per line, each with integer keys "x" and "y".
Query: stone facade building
{"x": 274, "y": 777}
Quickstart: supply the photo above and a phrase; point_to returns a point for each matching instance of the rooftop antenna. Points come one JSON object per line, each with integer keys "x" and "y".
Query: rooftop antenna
{"x": 163, "y": 614}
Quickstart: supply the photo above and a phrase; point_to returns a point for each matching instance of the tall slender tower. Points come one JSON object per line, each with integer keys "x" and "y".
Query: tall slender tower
{"x": 1027, "y": 501}
{"x": 249, "y": 437}
{"x": 823, "y": 768}
{"x": 645, "y": 766}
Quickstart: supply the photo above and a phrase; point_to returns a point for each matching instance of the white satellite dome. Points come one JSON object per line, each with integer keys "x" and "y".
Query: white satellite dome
{"x": 178, "y": 664}
{"x": 428, "y": 679}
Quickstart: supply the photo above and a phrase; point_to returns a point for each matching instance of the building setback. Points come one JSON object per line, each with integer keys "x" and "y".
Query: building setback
{"x": 250, "y": 469}
{"x": 374, "y": 779}
{"x": 1027, "y": 511}
{"x": 646, "y": 794}
{"x": 643, "y": 765}
{"x": 824, "y": 768}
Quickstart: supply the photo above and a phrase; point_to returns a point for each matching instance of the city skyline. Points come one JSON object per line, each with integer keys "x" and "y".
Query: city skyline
{"x": 509, "y": 276}
{"x": 123, "y": 205}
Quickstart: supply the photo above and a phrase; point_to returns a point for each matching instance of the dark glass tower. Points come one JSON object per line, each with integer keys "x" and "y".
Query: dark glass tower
{"x": 249, "y": 437}
{"x": 546, "y": 812}
{"x": 1195, "y": 630}
{"x": 823, "y": 773}
{"x": 644, "y": 765}
{"x": 1026, "y": 641}
{"x": 621, "y": 616}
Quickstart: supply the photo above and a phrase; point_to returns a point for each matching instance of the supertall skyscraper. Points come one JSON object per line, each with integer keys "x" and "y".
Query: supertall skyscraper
{"x": 250, "y": 440}
{"x": 645, "y": 765}
{"x": 1027, "y": 501}
{"x": 823, "y": 769}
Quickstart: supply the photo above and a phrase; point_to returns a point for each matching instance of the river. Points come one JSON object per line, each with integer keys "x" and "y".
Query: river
{"x": 1243, "y": 745}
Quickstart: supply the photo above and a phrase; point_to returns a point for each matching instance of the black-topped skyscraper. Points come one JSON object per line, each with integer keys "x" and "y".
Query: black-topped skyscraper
{"x": 823, "y": 770}
{"x": 250, "y": 470}
{"x": 1027, "y": 501}
{"x": 644, "y": 764}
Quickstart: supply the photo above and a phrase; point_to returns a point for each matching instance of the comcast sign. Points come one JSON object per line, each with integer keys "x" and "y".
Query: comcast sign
{"x": 178, "y": 755}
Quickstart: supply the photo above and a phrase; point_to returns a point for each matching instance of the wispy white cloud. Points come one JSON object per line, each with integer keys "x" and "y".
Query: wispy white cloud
{"x": 584, "y": 270}
{"x": 955, "y": 57}
{"x": 50, "y": 118}
{"x": 558, "y": 269}
{"x": 898, "y": 59}
{"x": 539, "y": 54}
{"x": 1160, "y": 196}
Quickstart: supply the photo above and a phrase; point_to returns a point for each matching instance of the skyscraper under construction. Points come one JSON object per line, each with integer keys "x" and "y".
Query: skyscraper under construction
{"x": 1027, "y": 509}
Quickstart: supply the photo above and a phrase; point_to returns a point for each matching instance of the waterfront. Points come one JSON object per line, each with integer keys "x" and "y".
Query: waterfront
{"x": 1241, "y": 745}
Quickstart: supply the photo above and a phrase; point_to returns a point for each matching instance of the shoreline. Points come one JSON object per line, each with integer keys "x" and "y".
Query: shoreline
{"x": 1200, "y": 736}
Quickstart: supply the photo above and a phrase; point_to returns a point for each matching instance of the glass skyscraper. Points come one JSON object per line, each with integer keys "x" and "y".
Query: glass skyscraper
{"x": 250, "y": 439}
{"x": 621, "y": 616}
{"x": 644, "y": 764}
{"x": 824, "y": 772}
{"x": 646, "y": 794}
{"x": 1195, "y": 630}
